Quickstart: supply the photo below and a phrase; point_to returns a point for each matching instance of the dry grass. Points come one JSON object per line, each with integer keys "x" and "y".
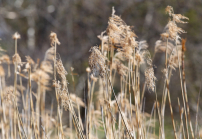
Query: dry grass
{"x": 119, "y": 54}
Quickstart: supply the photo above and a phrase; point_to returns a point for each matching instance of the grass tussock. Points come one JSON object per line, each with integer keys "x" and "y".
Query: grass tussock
{"x": 115, "y": 115}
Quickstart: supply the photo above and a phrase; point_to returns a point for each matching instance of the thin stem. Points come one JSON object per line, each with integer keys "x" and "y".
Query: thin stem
{"x": 183, "y": 94}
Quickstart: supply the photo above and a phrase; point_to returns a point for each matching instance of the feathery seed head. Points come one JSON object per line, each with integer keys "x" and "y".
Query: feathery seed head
{"x": 16, "y": 36}
{"x": 105, "y": 41}
{"x": 40, "y": 75}
{"x": 150, "y": 78}
{"x": 65, "y": 99}
{"x": 169, "y": 10}
{"x": 62, "y": 73}
{"x": 54, "y": 39}
{"x": 97, "y": 62}
{"x": 171, "y": 27}
{"x": 30, "y": 60}
{"x": 138, "y": 58}
{"x": 121, "y": 68}
{"x": 5, "y": 59}
{"x": 173, "y": 30}
{"x": 125, "y": 53}
{"x": 120, "y": 35}
{"x": 178, "y": 18}
{"x": 88, "y": 70}
{"x": 164, "y": 36}
{"x": 8, "y": 94}
{"x": 60, "y": 68}
{"x": 165, "y": 72}
{"x": 160, "y": 46}
{"x": 27, "y": 67}
{"x": 17, "y": 59}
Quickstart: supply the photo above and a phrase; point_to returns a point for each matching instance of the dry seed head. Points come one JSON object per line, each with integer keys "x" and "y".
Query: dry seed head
{"x": 27, "y": 67}
{"x": 97, "y": 62}
{"x": 16, "y": 36}
{"x": 150, "y": 78}
{"x": 105, "y": 41}
{"x": 125, "y": 54}
{"x": 62, "y": 73}
{"x": 121, "y": 68}
{"x": 169, "y": 10}
{"x": 138, "y": 58}
{"x": 16, "y": 59}
{"x": 5, "y": 59}
{"x": 142, "y": 45}
{"x": 164, "y": 36}
{"x": 165, "y": 71}
{"x": 60, "y": 68}
{"x": 174, "y": 30}
{"x": 116, "y": 20}
{"x": 127, "y": 51}
{"x": 160, "y": 46}
{"x": 177, "y": 18}
{"x": 119, "y": 33}
{"x": 88, "y": 70}
{"x": 30, "y": 60}
{"x": 141, "y": 57}
{"x": 8, "y": 94}
{"x": 65, "y": 99}
{"x": 54, "y": 39}
{"x": 142, "y": 54}
{"x": 42, "y": 76}
{"x": 115, "y": 35}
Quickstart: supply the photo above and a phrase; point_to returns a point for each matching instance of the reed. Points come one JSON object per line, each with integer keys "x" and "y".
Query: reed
{"x": 119, "y": 59}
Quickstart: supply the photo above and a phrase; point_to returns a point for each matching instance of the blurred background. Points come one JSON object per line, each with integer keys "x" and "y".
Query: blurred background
{"x": 79, "y": 22}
